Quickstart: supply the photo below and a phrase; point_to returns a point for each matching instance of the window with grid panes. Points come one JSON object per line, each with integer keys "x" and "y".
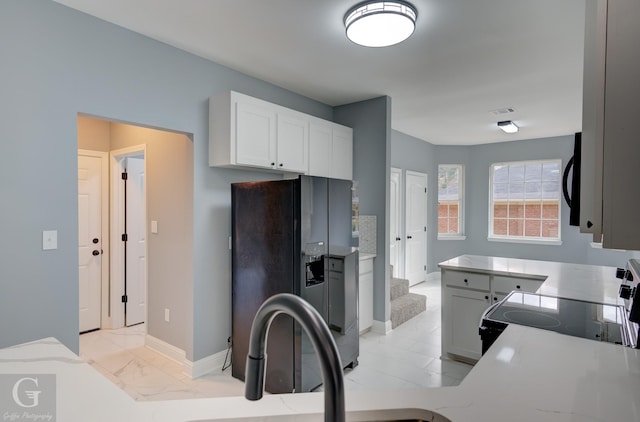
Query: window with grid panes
{"x": 525, "y": 200}
{"x": 450, "y": 195}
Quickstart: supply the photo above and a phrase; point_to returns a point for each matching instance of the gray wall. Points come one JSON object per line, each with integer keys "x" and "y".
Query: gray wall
{"x": 409, "y": 153}
{"x": 371, "y": 123}
{"x": 58, "y": 62}
{"x": 413, "y": 154}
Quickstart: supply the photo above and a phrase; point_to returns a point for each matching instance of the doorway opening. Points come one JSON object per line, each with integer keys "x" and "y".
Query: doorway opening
{"x": 408, "y": 225}
{"x": 149, "y": 281}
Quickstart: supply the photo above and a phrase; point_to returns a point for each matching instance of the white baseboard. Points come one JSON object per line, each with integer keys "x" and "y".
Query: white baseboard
{"x": 195, "y": 369}
{"x": 168, "y": 350}
{"x": 433, "y": 276}
{"x": 380, "y": 327}
{"x": 212, "y": 363}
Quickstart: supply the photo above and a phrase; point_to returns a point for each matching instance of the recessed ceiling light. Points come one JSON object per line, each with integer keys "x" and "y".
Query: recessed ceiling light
{"x": 380, "y": 23}
{"x": 508, "y": 126}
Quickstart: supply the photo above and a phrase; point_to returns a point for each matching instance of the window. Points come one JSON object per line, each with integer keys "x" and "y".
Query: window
{"x": 525, "y": 201}
{"x": 450, "y": 193}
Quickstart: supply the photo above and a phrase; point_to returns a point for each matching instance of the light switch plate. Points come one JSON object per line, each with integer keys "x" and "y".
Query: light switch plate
{"x": 49, "y": 239}
{"x": 154, "y": 227}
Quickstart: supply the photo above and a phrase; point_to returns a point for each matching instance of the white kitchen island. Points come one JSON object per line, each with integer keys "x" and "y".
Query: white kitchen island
{"x": 527, "y": 375}
{"x": 472, "y": 283}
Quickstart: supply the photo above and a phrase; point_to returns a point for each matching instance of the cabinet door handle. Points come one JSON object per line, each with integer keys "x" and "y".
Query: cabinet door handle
{"x": 466, "y": 281}
{"x": 398, "y": 238}
{"x": 486, "y": 297}
{"x": 409, "y": 237}
{"x": 280, "y": 164}
{"x": 273, "y": 164}
{"x": 495, "y": 299}
{"x": 518, "y": 287}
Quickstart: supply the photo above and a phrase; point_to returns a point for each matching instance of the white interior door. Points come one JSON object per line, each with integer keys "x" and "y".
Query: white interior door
{"x": 395, "y": 234}
{"x": 136, "y": 267}
{"x": 89, "y": 241}
{"x": 416, "y": 227}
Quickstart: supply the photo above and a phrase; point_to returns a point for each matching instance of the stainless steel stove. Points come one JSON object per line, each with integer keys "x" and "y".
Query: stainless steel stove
{"x": 596, "y": 321}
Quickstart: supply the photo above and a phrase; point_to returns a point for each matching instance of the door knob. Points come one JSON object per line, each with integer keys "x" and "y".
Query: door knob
{"x": 95, "y": 253}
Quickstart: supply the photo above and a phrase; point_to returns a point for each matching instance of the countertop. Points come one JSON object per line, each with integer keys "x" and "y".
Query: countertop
{"x": 528, "y": 375}
{"x": 576, "y": 281}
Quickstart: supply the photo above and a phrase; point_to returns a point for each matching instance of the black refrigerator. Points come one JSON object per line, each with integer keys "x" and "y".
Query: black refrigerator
{"x": 294, "y": 236}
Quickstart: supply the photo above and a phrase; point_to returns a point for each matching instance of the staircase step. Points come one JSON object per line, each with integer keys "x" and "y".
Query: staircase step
{"x": 406, "y": 307}
{"x": 399, "y": 287}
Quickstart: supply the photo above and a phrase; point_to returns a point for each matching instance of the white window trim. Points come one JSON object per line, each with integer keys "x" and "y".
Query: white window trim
{"x": 461, "y": 223}
{"x": 451, "y": 237}
{"x": 530, "y": 240}
{"x": 522, "y": 239}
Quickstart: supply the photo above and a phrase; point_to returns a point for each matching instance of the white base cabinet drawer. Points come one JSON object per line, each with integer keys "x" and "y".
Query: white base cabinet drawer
{"x": 466, "y": 280}
{"x": 508, "y": 284}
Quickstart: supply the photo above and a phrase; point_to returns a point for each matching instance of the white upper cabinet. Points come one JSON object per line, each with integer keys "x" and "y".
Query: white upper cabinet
{"x": 595, "y": 37}
{"x": 330, "y": 150}
{"x": 255, "y": 135}
{"x": 293, "y": 143}
{"x": 320, "y": 143}
{"x": 611, "y": 149}
{"x": 252, "y": 133}
{"x": 342, "y": 153}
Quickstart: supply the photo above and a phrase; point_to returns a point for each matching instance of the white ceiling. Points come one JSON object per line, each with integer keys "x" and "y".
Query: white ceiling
{"x": 465, "y": 59}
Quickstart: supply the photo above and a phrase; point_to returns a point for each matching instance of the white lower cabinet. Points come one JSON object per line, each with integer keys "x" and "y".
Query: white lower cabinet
{"x": 365, "y": 295}
{"x": 465, "y": 297}
{"x": 463, "y": 311}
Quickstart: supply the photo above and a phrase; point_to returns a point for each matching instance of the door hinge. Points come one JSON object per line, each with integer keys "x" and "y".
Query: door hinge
{"x": 125, "y": 237}
{"x": 124, "y": 298}
{"x": 425, "y": 190}
{"x": 425, "y": 268}
{"x": 124, "y": 176}
{"x": 425, "y": 228}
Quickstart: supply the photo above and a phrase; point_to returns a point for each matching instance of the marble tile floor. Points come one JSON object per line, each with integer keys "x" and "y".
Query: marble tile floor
{"x": 406, "y": 358}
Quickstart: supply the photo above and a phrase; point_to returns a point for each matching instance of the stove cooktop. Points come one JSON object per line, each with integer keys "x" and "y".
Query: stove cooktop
{"x": 596, "y": 321}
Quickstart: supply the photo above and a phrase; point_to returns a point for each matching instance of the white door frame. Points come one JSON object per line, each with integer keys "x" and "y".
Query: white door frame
{"x": 117, "y": 222}
{"x": 399, "y": 206}
{"x": 105, "y": 316}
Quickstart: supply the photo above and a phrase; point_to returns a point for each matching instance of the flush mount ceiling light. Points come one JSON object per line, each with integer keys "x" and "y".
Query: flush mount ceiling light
{"x": 508, "y": 126}
{"x": 380, "y": 23}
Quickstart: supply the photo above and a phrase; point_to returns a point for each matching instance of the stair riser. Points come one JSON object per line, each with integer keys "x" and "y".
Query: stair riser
{"x": 399, "y": 288}
{"x": 407, "y": 307}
